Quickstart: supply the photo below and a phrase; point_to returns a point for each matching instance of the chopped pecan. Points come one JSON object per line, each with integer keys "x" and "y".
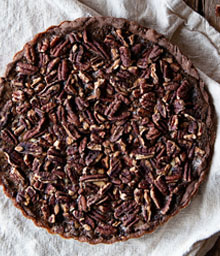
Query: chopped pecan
{"x": 29, "y": 148}
{"x": 173, "y": 123}
{"x": 172, "y": 148}
{"x": 93, "y": 177}
{"x": 155, "y": 53}
{"x": 18, "y": 96}
{"x": 148, "y": 99}
{"x": 29, "y": 53}
{"x": 187, "y": 175}
{"x": 153, "y": 74}
{"x": 125, "y": 208}
{"x": 105, "y": 230}
{"x": 82, "y": 206}
{"x": 93, "y": 157}
{"x": 17, "y": 175}
{"x": 167, "y": 205}
{"x": 52, "y": 64}
{"x": 26, "y": 69}
{"x": 121, "y": 38}
{"x": 130, "y": 220}
{"x": 153, "y": 133}
{"x": 60, "y": 48}
{"x": 63, "y": 70}
{"x": 138, "y": 195}
{"x": 154, "y": 196}
{"x": 179, "y": 105}
{"x": 115, "y": 167}
{"x": 35, "y": 131}
{"x": 125, "y": 56}
{"x": 117, "y": 133}
{"x": 8, "y": 137}
{"x": 161, "y": 185}
{"x": 144, "y": 61}
{"x": 183, "y": 90}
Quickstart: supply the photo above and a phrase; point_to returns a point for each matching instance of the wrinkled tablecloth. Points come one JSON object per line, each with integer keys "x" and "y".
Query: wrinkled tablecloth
{"x": 20, "y": 20}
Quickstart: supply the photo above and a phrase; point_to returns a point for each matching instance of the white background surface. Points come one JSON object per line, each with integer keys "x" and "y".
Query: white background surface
{"x": 20, "y": 20}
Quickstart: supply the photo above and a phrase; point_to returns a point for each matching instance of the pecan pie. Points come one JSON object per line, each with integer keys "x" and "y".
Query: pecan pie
{"x": 106, "y": 130}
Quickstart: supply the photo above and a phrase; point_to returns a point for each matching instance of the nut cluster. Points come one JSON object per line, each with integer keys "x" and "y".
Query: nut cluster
{"x": 102, "y": 133}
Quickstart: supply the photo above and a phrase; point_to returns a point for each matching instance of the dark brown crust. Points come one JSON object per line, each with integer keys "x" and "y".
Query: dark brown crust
{"x": 151, "y": 35}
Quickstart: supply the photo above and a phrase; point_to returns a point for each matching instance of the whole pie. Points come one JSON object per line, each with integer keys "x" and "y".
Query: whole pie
{"x": 106, "y": 130}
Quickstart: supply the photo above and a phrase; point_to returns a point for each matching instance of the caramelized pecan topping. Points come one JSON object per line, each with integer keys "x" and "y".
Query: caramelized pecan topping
{"x": 102, "y": 133}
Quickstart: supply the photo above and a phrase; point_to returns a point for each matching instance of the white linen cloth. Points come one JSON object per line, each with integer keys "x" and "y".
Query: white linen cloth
{"x": 20, "y": 20}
